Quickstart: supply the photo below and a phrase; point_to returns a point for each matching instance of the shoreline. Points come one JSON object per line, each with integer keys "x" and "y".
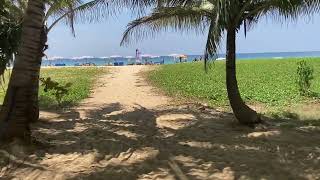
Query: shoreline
{"x": 219, "y": 60}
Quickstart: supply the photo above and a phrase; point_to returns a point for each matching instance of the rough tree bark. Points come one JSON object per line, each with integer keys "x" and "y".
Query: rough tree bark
{"x": 20, "y": 106}
{"x": 242, "y": 112}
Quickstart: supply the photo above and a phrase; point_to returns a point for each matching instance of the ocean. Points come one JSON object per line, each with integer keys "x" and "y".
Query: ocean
{"x": 172, "y": 60}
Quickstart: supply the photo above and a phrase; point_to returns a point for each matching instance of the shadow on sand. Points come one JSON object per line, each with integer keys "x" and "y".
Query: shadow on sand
{"x": 185, "y": 142}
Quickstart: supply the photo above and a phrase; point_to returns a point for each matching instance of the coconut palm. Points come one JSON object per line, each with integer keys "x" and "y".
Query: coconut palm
{"x": 20, "y": 106}
{"x": 219, "y": 17}
{"x": 11, "y": 16}
{"x": 17, "y": 109}
{"x": 58, "y": 10}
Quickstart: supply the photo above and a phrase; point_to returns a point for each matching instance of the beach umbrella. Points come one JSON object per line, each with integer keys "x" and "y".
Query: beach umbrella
{"x": 82, "y": 57}
{"x": 174, "y": 56}
{"x": 129, "y": 58}
{"x": 146, "y": 55}
{"x": 76, "y": 59}
{"x": 182, "y": 56}
{"x": 105, "y": 59}
{"x": 87, "y": 58}
{"x": 54, "y": 58}
{"x": 115, "y": 56}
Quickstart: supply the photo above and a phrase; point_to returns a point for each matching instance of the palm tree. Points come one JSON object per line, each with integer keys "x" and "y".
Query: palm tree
{"x": 20, "y": 106}
{"x": 219, "y": 17}
{"x": 17, "y": 109}
{"x": 12, "y": 15}
{"x": 58, "y": 10}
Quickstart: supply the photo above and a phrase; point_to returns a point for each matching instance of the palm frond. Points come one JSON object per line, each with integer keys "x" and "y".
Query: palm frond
{"x": 167, "y": 18}
{"x": 213, "y": 42}
{"x": 97, "y": 10}
{"x": 282, "y": 10}
{"x": 63, "y": 10}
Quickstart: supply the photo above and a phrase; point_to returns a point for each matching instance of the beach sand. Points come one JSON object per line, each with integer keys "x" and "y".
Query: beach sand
{"x": 128, "y": 130}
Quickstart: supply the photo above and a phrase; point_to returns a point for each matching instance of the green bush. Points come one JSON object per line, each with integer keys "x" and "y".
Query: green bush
{"x": 53, "y": 87}
{"x": 304, "y": 77}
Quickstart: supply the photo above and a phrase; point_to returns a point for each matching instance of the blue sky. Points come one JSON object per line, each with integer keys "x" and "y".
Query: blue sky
{"x": 103, "y": 39}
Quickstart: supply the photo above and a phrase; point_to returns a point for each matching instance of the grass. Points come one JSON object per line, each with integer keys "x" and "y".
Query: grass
{"x": 270, "y": 82}
{"x": 82, "y": 80}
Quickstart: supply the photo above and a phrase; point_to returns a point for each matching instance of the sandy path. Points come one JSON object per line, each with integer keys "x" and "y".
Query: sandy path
{"x": 126, "y": 131}
{"x": 125, "y": 86}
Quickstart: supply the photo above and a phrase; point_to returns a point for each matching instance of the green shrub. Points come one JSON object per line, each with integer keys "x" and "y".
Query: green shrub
{"x": 56, "y": 89}
{"x": 304, "y": 77}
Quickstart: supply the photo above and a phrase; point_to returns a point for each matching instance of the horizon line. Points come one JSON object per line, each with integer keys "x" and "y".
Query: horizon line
{"x": 78, "y": 57}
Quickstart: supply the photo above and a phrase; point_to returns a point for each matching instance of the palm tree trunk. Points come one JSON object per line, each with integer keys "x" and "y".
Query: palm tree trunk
{"x": 20, "y": 105}
{"x": 242, "y": 112}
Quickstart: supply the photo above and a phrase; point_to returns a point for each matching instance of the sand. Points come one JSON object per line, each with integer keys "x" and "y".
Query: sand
{"x": 128, "y": 130}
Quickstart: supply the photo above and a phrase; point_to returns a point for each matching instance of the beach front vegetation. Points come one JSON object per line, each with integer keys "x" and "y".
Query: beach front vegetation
{"x": 82, "y": 81}
{"x": 271, "y": 83}
{"x": 304, "y": 78}
{"x": 219, "y": 18}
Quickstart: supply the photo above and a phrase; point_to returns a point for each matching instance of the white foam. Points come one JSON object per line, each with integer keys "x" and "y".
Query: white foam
{"x": 173, "y": 55}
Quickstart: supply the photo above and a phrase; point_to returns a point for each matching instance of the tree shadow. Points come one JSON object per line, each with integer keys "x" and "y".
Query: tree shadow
{"x": 290, "y": 119}
{"x": 46, "y": 103}
{"x": 187, "y": 141}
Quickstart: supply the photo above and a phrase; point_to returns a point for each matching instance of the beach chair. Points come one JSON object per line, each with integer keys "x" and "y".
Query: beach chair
{"x": 62, "y": 64}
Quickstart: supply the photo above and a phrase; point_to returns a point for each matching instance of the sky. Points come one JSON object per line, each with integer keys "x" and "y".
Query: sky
{"x": 103, "y": 39}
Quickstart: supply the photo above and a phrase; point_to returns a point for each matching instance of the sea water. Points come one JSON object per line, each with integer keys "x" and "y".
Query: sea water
{"x": 173, "y": 60}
